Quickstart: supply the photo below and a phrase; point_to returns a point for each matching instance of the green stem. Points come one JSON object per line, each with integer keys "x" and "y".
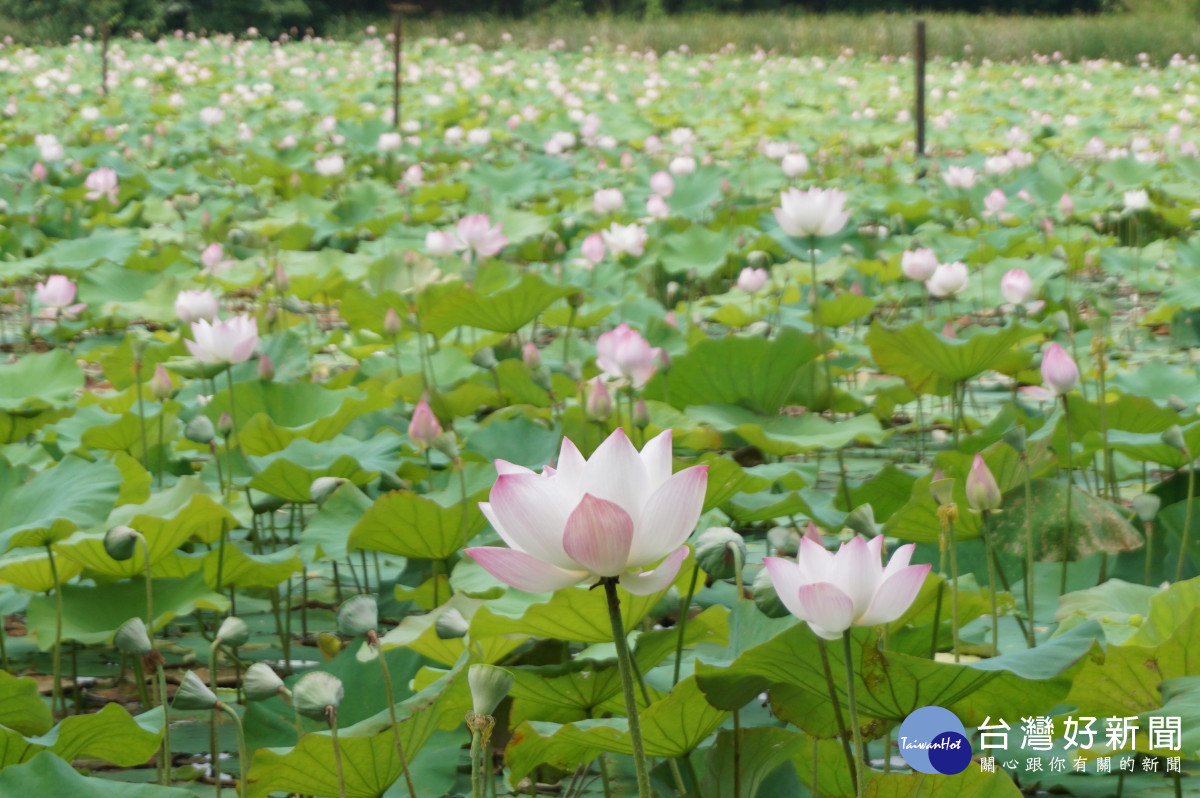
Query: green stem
{"x": 567, "y": 335}
{"x": 391, "y": 702}
{"x": 683, "y": 619}
{"x": 56, "y": 697}
{"x": 860, "y": 751}
{"x": 837, "y": 710}
{"x": 137, "y": 364}
{"x": 161, "y": 439}
{"x": 953, "y": 585}
{"x": 991, "y": 574}
{"x": 232, "y": 420}
{"x": 139, "y": 673}
{"x": 1187, "y": 519}
{"x": 462, "y": 489}
{"x": 214, "y": 743}
{"x": 1031, "y": 634}
{"x": 477, "y": 786}
{"x": 166, "y": 744}
{"x": 149, "y": 585}
{"x": 331, "y": 717}
{"x": 626, "y": 668}
{"x": 1066, "y": 539}
{"x": 243, "y": 760}
{"x": 816, "y": 305}
{"x": 737, "y": 754}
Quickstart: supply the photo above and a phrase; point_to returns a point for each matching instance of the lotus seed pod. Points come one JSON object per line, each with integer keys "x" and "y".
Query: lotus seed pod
{"x": 193, "y": 694}
{"x": 1146, "y": 506}
{"x": 358, "y": 616}
{"x": 261, "y": 682}
{"x": 200, "y": 430}
{"x": 315, "y": 691}
{"x": 861, "y": 521}
{"x": 1173, "y": 437}
{"x": 451, "y": 625}
{"x": 715, "y": 551}
{"x": 1015, "y": 438}
{"x": 765, "y": 597}
{"x": 132, "y": 638}
{"x": 323, "y": 486}
{"x": 233, "y": 631}
{"x": 121, "y": 542}
{"x": 942, "y": 491}
{"x": 489, "y": 685}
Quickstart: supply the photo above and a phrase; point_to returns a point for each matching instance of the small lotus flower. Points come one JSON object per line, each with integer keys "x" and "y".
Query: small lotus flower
{"x": 193, "y": 694}
{"x": 1066, "y": 206}
{"x": 160, "y": 383}
{"x": 1059, "y": 372}
{"x": 261, "y": 682}
{"x": 476, "y": 234}
{"x": 315, "y": 692}
{"x": 607, "y": 200}
{"x": 962, "y": 177}
{"x": 440, "y": 244}
{"x": 489, "y": 686}
{"x": 358, "y": 616}
{"x": 994, "y": 203}
{"x": 233, "y": 632}
{"x": 657, "y": 208}
{"x": 389, "y": 142}
{"x": 531, "y": 356}
{"x": 330, "y": 165}
{"x": 391, "y": 322}
{"x": 102, "y": 182}
{"x": 225, "y": 342}
{"x": 1016, "y": 286}
{"x": 919, "y": 264}
{"x": 618, "y": 514}
{"x": 833, "y": 592}
{"x": 982, "y": 491}
{"x": 641, "y": 415}
{"x": 794, "y": 164}
{"x": 211, "y": 116}
{"x": 423, "y": 428}
{"x": 624, "y": 239}
{"x": 49, "y": 147}
{"x": 682, "y": 165}
{"x": 132, "y": 638}
{"x": 752, "y": 280}
{"x": 662, "y": 184}
{"x": 598, "y": 403}
{"x": 623, "y": 354}
{"x": 593, "y": 248}
{"x": 1136, "y": 201}
{"x": 414, "y": 176}
{"x": 212, "y": 255}
{"x": 58, "y": 294}
{"x": 816, "y": 212}
{"x": 192, "y": 306}
{"x": 949, "y": 279}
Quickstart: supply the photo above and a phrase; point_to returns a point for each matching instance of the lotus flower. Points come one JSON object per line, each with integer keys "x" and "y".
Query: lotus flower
{"x": 662, "y": 184}
{"x": 752, "y": 280}
{"x": 994, "y": 203}
{"x": 816, "y": 212}
{"x": 919, "y": 264}
{"x": 833, "y": 592}
{"x": 49, "y": 147}
{"x": 657, "y": 208}
{"x": 794, "y": 164}
{"x": 423, "y": 427}
{"x": 614, "y": 515}
{"x": 982, "y": 491}
{"x": 1016, "y": 286}
{"x": 960, "y": 177}
{"x": 330, "y": 166}
{"x": 102, "y": 182}
{"x": 192, "y": 306}
{"x": 593, "y": 248}
{"x": 388, "y": 142}
{"x": 440, "y": 244}
{"x": 1066, "y": 206}
{"x": 623, "y": 354}
{"x": 57, "y": 293}
{"x": 211, "y": 115}
{"x": 627, "y": 239}
{"x": 225, "y": 342}
{"x": 607, "y": 200}
{"x": 1136, "y": 200}
{"x": 477, "y": 234}
{"x": 1059, "y": 372}
{"x": 949, "y": 279}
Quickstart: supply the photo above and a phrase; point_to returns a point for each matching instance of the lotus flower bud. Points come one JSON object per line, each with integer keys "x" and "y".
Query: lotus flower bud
{"x": 132, "y": 638}
{"x": 576, "y": 299}
{"x": 599, "y": 404}
{"x": 358, "y": 616}
{"x": 1177, "y": 404}
{"x": 391, "y": 322}
{"x": 321, "y": 487}
{"x": 266, "y": 368}
{"x": 447, "y": 444}
{"x": 233, "y": 632}
{"x": 489, "y": 685}
{"x": 531, "y": 356}
{"x": 225, "y": 425}
{"x": 193, "y": 694}
{"x": 485, "y": 358}
{"x": 1015, "y": 438}
{"x": 715, "y": 551}
{"x": 160, "y": 383}
{"x": 765, "y": 597}
{"x": 1066, "y": 206}
{"x": 120, "y": 542}
{"x": 282, "y": 281}
{"x": 314, "y": 692}
{"x": 983, "y": 494}
{"x": 423, "y": 427}
{"x": 1059, "y": 372}
{"x": 1146, "y": 506}
{"x": 641, "y": 416}
{"x": 1173, "y": 437}
{"x": 451, "y": 625}
{"x": 942, "y": 491}
{"x": 261, "y": 682}
{"x": 200, "y": 430}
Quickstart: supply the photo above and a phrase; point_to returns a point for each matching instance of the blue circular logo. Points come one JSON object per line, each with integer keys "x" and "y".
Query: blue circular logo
{"x": 933, "y": 740}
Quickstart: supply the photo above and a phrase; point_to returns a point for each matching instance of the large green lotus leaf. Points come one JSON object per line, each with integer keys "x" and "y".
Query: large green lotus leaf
{"x": 931, "y": 363}
{"x": 1158, "y": 380}
{"x": 726, "y": 479}
{"x": 408, "y": 524}
{"x": 696, "y": 247}
{"x": 58, "y": 501}
{"x": 787, "y": 435}
{"x": 418, "y": 633}
{"x": 49, "y": 775}
{"x": 312, "y": 274}
{"x": 289, "y": 473}
{"x": 1180, "y": 699}
{"x": 368, "y": 747}
{"x": 1126, "y": 412}
{"x": 843, "y": 309}
{"x": 1118, "y": 606}
{"x": 971, "y": 783}
{"x": 515, "y": 438}
{"x": 505, "y": 310}
{"x": 327, "y": 531}
{"x": 1096, "y": 525}
{"x": 763, "y": 749}
{"x": 34, "y": 571}
{"x": 240, "y": 569}
{"x": 92, "y": 614}
{"x": 1170, "y": 609}
{"x": 76, "y": 254}
{"x": 21, "y": 707}
{"x": 574, "y": 613}
{"x": 1149, "y": 446}
{"x": 753, "y": 372}
{"x": 111, "y": 735}
{"x": 39, "y": 382}
{"x": 918, "y": 521}
{"x": 671, "y": 727}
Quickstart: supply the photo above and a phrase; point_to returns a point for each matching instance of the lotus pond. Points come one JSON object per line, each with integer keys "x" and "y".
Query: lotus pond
{"x": 679, "y": 322}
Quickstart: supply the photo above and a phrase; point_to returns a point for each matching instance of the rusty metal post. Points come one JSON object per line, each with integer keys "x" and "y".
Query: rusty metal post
{"x": 919, "y": 68}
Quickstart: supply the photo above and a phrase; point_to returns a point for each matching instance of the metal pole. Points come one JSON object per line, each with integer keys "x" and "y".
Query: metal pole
{"x": 919, "y": 67}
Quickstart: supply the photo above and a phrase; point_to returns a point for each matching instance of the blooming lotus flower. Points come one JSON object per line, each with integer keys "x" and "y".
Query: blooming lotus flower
{"x": 212, "y": 116}
{"x": 192, "y": 306}
{"x": 414, "y": 176}
{"x": 476, "y": 234}
{"x": 1059, "y": 372}
{"x": 225, "y": 342}
{"x": 919, "y": 264}
{"x": 662, "y": 184}
{"x": 949, "y": 279}
{"x": 423, "y": 427}
{"x": 794, "y": 164}
{"x": 1136, "y": 200}
{"x": 49, "y": 147}
{"x": 440, "y": 244}
{"x": 593, "y": 248}
{"x": 330, "y": 166}
{"x": 994, "y": 203}
{"x": 657, "y": 208}
{"x": 816, "y": 212}
{"x": 623, "y": 354}
{"x": 101, "y": 182}
{"x": 624, "y": 239}
{"x": 212, "y": 255}
{"x": 982, "y": 491}
{"x": 960, "y": 177}
{"x": 1016, "y": 286}
{"x": 620, "y": 514}
{"x": 833, "y": 592}
{"x": 388, "y": 142}
{"x": 607, "y": 200}
{"x": 752, "y": 280}
{"x": 683, "y": 165}
{"x": 58, "y": 294}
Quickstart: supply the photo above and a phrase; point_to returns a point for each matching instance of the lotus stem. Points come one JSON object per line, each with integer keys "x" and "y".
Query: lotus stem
{"x": 373, "y": 641}
{"x": 161, "y": 439}
{"x": 1187, "y": 516}
{"x": 141, "y": 401}
{"x": 243, "y": 760}
{"x": 139, "y": 673}
{"x": 214, "y": 746}
{"x": 149, "y": 585}
{"x": 477, "y": 788}
{"x": 991, "y": 574}
{"x": 331, "y": 718}
{"x": 625, "y": 665}
{"x": 57, "y": 694}
{"x": 1030, "y": 633}
{"x": 684, "y": 609}
{"x": 1066, "y": 539}
{"x": 166, "y": 745}
{"x": 837, "y": 711}
{"x": 851, "y": 697}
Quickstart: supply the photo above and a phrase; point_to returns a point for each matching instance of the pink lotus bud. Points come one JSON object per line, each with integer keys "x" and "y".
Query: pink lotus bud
{"x": 160, "y": 383}
{"x": 266, "y": 368}
{"x": 982, "y": 491}
{"x": 225, "y": 425}
{"x": 641, "y": 415}
{"x": 599, "y": 404}
{"x": 530, "y": 355}
{"x": 656, "y": 207}
{"x": 919, "y": 264}
{"x": 856, "y": 288}
{"x": 1066, "y": 206}
{"x": 423, "y": 428}
{"x": 1016, "y": 286}
{"x": 282, "y": 281}
{"x": 593, "y": 248}
{"x": 212, "y": 255}
{"x": 626, "y": 160}
{"x": 751, "y": 280}
{"x": 39, "y": 171}
{"x": 1047, "y": 227}
{"x": 1059, "y": 372}
{"x": 662, "y": 184}
{"x": 948, "y": 330}
{"x": 391, "y": 322}
{"x": 607, "y": 200}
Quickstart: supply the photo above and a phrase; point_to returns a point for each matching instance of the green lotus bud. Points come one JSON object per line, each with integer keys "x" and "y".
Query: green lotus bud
{"x": 715, "y": 551}
{"x": 1146, "y": 506}
{"x": 358, "y": 616}
{"x": 121, "y": 542}
{"x": 576, "y": 300}
{"x": 262, "y": 503}
{"x": 314, "y": 692}
{"x": 485, "y": 358}
{"x": 233, "y": 631}
{"x": 489, "y": 685}
{"x": 323, "y": 486}
{"x": 200, "y": 430}
{"x": 451, "y": 625}
{"x": 641, "y": 416}
{"x": 225, "y": 425}
{"x": 447, "y": 444}
{"x": 861, "y": 521}
{"x": 1177, "y": 404}
{"x": 132, "y": 637}
{"x": 542, "y": 379}
{"x": 193, "y": 694}
{"x": 261, "y": 682}
{"x": 293, "y": 305}
{"x": 942, "y": 491}
{"x": 1173, "y": 437}
{"x": 784, "y": 540}
{"x": 1015, "y": 438}
{"x": 765, "y": 597}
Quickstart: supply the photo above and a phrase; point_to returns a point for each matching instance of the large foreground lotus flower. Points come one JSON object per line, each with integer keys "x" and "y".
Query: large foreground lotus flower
{"x": 1059, "y": 372}
{"x": 102, "y": 182}
{"x": 477, "y": 234}
{"x": 623, "y": 354}
{"x": 816, "y": 212}
{"x": 833, "y": 592}
{"x": 613, "y": 515}
{"x": 229, "y": 342}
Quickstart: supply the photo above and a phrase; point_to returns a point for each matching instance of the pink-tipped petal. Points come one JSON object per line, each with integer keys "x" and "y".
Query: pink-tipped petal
{"x": 197, "y": 351}
{"x": 856, "y": 572}
{"x": 505, "y": 467}
{"x": 827, "y": 609}
{"x": 669, "y": 516}
{"x": 786, "y": 579}
{"x": 524, "y": 571}
{"x": 895, "y": 595}
{"x": 814, "y": 561}
{"x": 657, "y": 456}
{"x": 900, "y": 560}
{"x": 615, "y": 473}
{"x": 598, "y": 535}
{"x": 530, "y": 514}
{"x": 646, "y": 582}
